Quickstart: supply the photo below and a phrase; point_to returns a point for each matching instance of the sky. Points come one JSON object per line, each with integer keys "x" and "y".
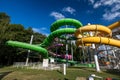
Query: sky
{"x": 40, "y": 14}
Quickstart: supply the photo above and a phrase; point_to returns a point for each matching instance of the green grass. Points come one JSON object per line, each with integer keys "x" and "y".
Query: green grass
{"x": 10, "y": 73}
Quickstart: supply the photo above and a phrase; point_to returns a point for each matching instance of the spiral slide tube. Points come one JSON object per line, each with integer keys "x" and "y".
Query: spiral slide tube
{"x": 58, "y": 32}
{"x": 41, "y": 50}
{"x": 66, "y": 21}
{"x": 50, "y": 38}
{"x": 55, "y": 34}
{"x": 87, "y": 28}
{"x": 99, "y": 40}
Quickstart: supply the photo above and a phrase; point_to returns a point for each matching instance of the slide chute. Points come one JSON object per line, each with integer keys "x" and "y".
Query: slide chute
{"x": 114, "y": 25}
{"x": 55, "y": 33}
{"x": 96, "y": 28}
{"x": 96, "y": 39}
{"x": 63, "y": 22}
{"x": 41, "y": 50}
{"x": 99, "y": 40}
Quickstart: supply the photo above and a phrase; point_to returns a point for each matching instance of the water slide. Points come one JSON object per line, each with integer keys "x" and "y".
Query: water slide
{"x": 64, "y": 60}
{"x": 46, "y": 42}
{"x": 95, "y": 39}
{"x": 77, "y": 64}
{"x": 67, "y": 21}
{"x": 114, "y": 25}
{"x": 99, "y": 40}
{"x": 55, "y": 33}
{"x": 55, "y": 45}
{"x": 96, "y": 28}
{"x": 41, "y": 50}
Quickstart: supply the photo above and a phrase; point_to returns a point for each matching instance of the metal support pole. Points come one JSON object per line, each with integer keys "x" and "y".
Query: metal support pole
{"x": 107, "y": 53}
{"x": 27, "y": 59}
{"x": 89, "y": 54}
{"x": 66, "y": 52}
{"x": 95, "y": 55}
{"x": 96, "y": 62}
{"x": 64, "y": 69}
{"x": 56, "y": 54}
{"x": 114, "y": 54}
{"x": 66, "y": 48}
{"x": 83, "y": 55}
{"x": 72, "y": 50}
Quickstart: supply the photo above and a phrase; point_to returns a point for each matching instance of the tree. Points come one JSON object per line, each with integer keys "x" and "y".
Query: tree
{"x": 4, "y": 19}
{"x": 4, "y": 22}
{"x": 15, "y": 32}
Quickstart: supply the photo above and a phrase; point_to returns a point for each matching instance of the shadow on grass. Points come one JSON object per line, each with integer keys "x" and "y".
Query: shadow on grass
{"x": 1, "y": 66}
{"x": 59, "y": 71}
{"x": 66, "y": 79}
{"x": 3, "y": 74}
{"x": 75, "y": 67}
{"x": 113, "y": 71}
{"x": 85, "y": 68}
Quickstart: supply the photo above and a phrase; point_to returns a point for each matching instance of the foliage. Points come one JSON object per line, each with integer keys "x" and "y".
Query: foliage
{"x": 15, "y": 32}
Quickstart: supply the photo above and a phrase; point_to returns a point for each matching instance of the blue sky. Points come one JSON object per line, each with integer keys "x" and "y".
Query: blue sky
{"x": 40, "y": 14}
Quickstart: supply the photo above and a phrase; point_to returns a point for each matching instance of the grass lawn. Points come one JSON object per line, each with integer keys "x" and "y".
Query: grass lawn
{"x": 10, "y": 73}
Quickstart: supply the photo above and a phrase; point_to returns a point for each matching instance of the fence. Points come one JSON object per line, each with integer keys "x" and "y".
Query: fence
{"x": 37, "y": 65}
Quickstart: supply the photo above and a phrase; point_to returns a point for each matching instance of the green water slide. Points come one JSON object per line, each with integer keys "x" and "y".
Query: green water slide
{"x": 64, "y": 60}
{"x": 63, "y": 22}
{"x": 41, "y": 50}
{"x": 55, "y": 33}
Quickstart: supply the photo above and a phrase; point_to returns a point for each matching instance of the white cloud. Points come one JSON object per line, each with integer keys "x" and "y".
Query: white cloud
{"x": 42, "y": 30}
{"x": 115, "y": 8}
{"x": 112, "y": 9}
{"x": 111, "y": 16}
{"x": 36, "y": 29}
{"x": 97, "y": 4}
{"x": 57, "y": 15}
{"x": 91, "y": 1}
{"x": 69, "y": 9}
{"x": 106, "y": 3}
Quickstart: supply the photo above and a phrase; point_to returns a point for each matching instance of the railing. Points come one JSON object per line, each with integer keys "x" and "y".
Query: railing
{"x": 37, "y": 65}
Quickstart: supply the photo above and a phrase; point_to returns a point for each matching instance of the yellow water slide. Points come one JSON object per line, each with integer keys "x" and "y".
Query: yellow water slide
{"x": 114, "y": 25}
{"x": 96, "y": 28}
{"x": 97, "y": 39}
